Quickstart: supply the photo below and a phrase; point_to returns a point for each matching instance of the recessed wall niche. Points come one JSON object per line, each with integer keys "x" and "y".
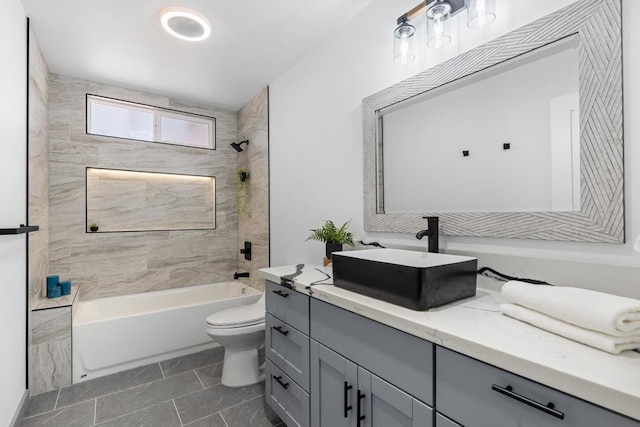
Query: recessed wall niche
{"x": 123, "y": 200}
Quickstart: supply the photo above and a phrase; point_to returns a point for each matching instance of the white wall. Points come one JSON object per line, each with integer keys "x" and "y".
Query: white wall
{"x": 316, "y": 137}
{"x": 13, "y": 51}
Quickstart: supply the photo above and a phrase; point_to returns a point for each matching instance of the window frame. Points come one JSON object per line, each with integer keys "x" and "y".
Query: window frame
{"x": 158, "y": 113}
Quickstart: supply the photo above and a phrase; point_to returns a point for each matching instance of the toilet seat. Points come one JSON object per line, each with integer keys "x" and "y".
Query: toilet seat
{"x": 237, "y": 317}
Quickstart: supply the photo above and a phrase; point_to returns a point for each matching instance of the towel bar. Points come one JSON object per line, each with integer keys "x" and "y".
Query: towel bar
{"x": 19, "y": 230}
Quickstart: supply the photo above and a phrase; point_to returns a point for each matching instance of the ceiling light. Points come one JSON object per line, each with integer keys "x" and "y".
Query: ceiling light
{"x": 480, "y": 13}
{"x": 185, "y": 24}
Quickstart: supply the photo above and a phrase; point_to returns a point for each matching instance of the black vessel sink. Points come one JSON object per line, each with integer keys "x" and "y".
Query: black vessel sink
{"x": 411, "y": 279}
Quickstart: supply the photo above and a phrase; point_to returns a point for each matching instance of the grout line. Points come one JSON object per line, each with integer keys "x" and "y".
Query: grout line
{"x": 161, "y": 371}
{"x": 95, "y": 411}
{"x": 198, "y": 376}
{"x": 177, "y": 412}
{"x": 244, "y": 401}
{"x": 55, "y": 405}
{"x": 223, "y": 420}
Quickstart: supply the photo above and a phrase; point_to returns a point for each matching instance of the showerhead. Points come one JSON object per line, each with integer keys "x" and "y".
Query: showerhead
{"x": 237, "y": 145}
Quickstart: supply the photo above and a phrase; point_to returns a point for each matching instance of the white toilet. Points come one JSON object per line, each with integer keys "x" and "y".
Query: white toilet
{"x": 240, "y": 330}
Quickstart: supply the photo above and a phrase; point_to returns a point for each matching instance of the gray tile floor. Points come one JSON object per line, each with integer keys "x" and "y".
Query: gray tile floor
{"x": 185, "y": 391}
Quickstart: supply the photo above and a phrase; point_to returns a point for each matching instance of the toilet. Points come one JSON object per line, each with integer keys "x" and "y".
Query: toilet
{"x": 240, "y": 330}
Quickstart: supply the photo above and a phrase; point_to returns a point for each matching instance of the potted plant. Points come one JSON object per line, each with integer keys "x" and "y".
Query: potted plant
{"x": 242, "y": 192}
{"x": 332, "y": 236}
{"x": 93, "y": 227}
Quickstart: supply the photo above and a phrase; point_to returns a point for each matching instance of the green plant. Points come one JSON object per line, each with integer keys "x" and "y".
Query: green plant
{"x": 242, "y": 192}
{"x": 329, "y": 233}
{"x": 93, "y": 224}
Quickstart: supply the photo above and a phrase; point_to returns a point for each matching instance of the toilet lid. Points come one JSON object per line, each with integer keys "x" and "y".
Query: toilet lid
{"x": 243, "y": 315}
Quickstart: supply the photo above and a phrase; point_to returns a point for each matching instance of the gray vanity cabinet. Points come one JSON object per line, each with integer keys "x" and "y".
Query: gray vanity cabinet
{"x": 346, "y": 395}
{"x": 287, "y": 354}
{"x": 476, "y": 394}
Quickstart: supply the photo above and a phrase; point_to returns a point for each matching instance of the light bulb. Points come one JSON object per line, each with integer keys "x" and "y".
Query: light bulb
{"x": 403, "y": 50}
{"x": 480, "y": 13}
{"x": 437, "y": 18}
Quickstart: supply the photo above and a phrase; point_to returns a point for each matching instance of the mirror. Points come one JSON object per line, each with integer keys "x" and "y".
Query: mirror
{"x": 529, "y": 103}
{"x": 518, "y": 138}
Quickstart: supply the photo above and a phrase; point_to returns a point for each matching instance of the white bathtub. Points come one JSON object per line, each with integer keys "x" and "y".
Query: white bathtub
{"x": 118, "y": 333}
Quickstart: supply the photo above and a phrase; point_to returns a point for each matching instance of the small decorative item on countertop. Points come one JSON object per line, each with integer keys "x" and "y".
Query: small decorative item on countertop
{"x": 93, "y": 227}
{"x": 65, "y": 287}
{"x": 333, "y": 237}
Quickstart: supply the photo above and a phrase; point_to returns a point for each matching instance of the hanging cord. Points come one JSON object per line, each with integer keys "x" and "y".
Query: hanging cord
{"x": 376, "y": 244}
{"x": 318, "y": 282}
{"x": 503, "y": 277}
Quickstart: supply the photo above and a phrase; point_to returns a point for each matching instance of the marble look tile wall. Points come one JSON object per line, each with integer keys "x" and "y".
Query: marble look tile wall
{"x": 108, "y": 264}
{"x": 253, "y": 124}
{"x": 51, "y": 349}
{"x": 126, "y": 200}
{"x": 38, "y": 181}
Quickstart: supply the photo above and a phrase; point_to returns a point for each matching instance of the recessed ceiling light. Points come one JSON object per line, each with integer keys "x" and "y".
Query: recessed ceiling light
{"x": 185, "y": 24}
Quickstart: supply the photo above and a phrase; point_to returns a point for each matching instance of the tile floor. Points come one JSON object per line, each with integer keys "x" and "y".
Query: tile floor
{"x": 185, "y": 391}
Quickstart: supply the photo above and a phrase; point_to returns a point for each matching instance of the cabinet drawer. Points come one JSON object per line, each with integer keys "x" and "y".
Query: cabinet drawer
{"x": 286, "y": 398}
{"x": 476, "y": 394}
{"x": 399, "y": 358}
{"x": 288, "y": 305}
{"x": 288, "y": 349}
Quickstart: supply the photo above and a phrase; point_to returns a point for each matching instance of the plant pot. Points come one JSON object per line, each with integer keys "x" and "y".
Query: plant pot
{"x": 93, "y": 228}
{"x": 331, "y": 248}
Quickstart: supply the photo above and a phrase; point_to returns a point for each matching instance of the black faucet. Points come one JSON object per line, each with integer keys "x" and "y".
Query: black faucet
{"x": 237, "y": 275}
{"x": 432, "y": 232}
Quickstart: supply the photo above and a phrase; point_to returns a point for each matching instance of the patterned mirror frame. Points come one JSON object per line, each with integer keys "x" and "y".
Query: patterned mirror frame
{"x": 598, "y": 24}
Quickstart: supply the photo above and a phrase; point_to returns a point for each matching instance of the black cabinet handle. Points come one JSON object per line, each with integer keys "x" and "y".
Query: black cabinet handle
{"x": 282, "y": 294}
{"x": 359, "y": 416}
{"x": 279, "y": 329}
{"x": 279, "y": 380}
{"x": 347, "y": 387}
{"x": 549, "y": 408}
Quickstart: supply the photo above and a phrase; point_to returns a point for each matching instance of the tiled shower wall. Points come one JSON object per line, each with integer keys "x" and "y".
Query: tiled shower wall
{"x": 38, "y": 181}
{"x": 108, "y": 264}
{"x": 253, "y": 124}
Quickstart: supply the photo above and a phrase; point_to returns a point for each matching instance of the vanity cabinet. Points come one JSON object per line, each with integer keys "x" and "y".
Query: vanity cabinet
{"x": 287, "y": 354}
{"x": 476, "y": 394}
{"x": 366, "y": 374}
{"x": 347, "y": 395}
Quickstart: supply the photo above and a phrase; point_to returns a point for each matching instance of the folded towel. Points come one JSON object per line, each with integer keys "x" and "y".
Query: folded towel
{"x": 609, "y": 314}
{"x": 598, "y": 340}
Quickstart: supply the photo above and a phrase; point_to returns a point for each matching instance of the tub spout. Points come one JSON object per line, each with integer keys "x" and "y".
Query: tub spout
{"x": 237, "y": 275}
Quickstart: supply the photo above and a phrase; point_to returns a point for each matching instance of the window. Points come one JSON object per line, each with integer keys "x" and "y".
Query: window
{"x": 121, "y": 119}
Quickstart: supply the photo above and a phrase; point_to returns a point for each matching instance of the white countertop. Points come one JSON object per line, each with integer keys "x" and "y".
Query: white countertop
{"x": 475, "y": 327}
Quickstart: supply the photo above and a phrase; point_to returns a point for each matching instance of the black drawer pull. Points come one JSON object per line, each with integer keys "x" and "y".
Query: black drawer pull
{"x": 359, "y": 416}
{"x": 279, "y": 381}
{"x": 282, "y": 294}
{"x": 347, "y": 387}
{"x": 279, "y": 329}
{"x": 548, "y": 408}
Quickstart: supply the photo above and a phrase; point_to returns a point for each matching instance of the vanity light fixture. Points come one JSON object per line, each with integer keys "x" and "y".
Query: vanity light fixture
{"x": 185, "y": 24}
{"x": 480, "y": 13}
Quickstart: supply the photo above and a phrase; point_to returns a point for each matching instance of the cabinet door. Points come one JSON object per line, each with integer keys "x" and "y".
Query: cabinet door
{"x": 333, "y": 388}
{"x": 382, "y": 405}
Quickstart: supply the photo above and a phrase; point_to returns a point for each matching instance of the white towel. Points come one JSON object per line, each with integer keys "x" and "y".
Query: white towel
{"x": 609, "y": 314}
{"x": 594, "y": 339}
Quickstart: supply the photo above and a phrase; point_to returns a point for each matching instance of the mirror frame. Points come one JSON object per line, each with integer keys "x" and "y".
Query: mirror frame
{"x": 598, "y": 24}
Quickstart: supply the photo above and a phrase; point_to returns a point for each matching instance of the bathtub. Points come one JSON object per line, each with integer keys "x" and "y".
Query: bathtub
{"x": 114, "y": 334}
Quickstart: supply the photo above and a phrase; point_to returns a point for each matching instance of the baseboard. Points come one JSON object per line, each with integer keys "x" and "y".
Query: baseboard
{"x": 21, "y": 410}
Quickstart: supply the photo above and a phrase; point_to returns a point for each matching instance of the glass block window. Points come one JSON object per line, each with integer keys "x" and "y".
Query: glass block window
{"x": 122, "y": 119}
